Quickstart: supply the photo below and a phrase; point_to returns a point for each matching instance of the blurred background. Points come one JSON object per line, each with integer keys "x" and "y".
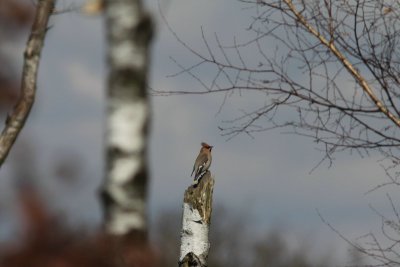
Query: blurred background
{"x": 266, "y": 198}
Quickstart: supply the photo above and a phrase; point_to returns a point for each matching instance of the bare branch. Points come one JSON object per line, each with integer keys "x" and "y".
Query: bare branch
{"x": 17, "y": 118}
{"x": 350, "y": 67}
{"x": 335, "y": 64}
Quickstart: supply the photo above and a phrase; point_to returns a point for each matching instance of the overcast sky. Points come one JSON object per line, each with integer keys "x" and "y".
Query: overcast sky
{"x": 268, "y": 176}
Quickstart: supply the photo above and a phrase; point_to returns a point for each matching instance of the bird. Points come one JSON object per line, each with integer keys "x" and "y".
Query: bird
{"x": 202, "y": 162}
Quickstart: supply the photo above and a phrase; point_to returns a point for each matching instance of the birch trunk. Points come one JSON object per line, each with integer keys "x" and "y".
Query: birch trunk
{"x": 197, "y": 207}
{"x": 129, "y": 31}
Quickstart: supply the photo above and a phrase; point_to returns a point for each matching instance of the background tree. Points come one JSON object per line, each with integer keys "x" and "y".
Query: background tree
{"x": 124, "y": 195}
{"x": 47, "y": 240}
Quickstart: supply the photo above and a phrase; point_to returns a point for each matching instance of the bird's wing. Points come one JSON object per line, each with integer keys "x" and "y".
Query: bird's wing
{"x": 203, "y": 159}
{"x": 194, "y": 166}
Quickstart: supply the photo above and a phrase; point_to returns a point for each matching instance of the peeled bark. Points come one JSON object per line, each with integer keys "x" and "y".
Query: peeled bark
{"x": 124, "y": 194}
{"x": 197, "y": 208}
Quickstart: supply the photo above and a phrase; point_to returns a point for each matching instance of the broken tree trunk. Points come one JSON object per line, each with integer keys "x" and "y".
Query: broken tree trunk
{"x": 197, "y": 207}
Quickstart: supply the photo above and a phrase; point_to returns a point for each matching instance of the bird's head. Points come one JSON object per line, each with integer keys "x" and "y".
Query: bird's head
{"x": 206, "y": 146}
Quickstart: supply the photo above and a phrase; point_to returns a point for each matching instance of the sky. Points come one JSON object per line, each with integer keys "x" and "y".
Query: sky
{"x": 268, "y": 176}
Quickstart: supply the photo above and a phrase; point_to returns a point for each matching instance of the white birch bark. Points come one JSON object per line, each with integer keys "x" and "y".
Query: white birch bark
{"x": 129, "y": 31}
{"x": 197, "y": 207}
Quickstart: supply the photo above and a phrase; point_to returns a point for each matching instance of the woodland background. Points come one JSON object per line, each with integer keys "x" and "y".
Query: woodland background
{"x": 265, "y": 196}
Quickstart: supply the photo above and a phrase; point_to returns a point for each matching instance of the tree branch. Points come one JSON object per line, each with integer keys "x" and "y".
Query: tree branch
{"x": 16, "y": 120}
{"x": 346, "y": 63}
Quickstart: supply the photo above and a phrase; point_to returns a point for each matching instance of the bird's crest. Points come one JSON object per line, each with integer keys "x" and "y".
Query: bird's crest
{"x": 205, "y": 145}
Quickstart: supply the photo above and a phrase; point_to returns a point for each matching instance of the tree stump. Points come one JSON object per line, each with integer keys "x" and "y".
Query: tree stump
{"x": 196, "y": 218}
